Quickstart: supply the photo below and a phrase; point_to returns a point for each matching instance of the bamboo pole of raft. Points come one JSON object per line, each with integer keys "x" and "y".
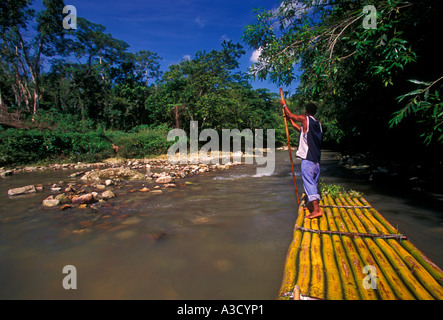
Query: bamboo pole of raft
{"x": 414, "y": 274}
{"x": 383, "y": 289}
{"x": 357, "y": 264}
{"x": 290, "y": 263}
{"x": 431, "y": 267}
{"x": 333, "y": 283}
{"x": 388, "y": 281}
{"x": 344, "y": 269}
{"x": 317, "y": 288}
{"x": 355, "y": 226}
{"x": 304, "y": 272}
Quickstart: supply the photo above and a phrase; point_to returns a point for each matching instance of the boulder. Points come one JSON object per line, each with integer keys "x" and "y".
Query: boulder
{"x": 51, "y": 202}
{"x": 83, "y": 199}
{"x": 63, "y": 198}
{"x": 21, "y": 190}
{"x": 108, "y": 194}
{"x": 164, "y": 179}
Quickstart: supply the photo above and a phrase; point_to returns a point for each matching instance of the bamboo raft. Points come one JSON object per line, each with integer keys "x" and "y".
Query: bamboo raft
{"x": 353, "y": 253}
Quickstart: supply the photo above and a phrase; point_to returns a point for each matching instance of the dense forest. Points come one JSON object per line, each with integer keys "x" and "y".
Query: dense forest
{"x": 69, "y": 95}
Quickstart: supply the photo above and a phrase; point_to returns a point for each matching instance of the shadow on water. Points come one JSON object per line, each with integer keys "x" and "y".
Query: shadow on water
{"x": 224, "y": 235}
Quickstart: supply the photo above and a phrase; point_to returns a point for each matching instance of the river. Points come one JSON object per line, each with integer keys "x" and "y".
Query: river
{"x": 223, "y": 235}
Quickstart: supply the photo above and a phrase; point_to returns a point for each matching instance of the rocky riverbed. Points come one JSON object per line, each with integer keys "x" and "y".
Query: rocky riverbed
{"x": 97, "y": 182}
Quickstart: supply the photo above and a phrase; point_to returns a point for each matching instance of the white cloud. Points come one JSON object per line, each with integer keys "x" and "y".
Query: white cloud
{"x": 187, "y": 57}
{"x": 201, "y": 23}
{"x": 224, "y": 37}
{"x": 255, "y": 55}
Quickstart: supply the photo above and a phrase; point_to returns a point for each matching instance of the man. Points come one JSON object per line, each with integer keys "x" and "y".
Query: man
{"x": 309, "y": 151}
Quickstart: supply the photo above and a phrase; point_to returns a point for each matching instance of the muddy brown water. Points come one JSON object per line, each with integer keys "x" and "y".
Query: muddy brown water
{"x": 225, "y": 236}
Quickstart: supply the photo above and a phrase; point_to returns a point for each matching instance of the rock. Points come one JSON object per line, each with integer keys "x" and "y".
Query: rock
{"x": 109, "y": 182}
{"x": 76, "y": 174}
{"x": 164, "y": 179}
{"x": 69, "y": 189}
{"x": 6, "y": 173}
{"x": 170, "y": 185}
{"x": 144, "y": 189}
{"x": 22, "y": 190}
{"x": 156, "y": 191}
{"x": 39, "y": 187}
{"x": 121, "y": 173}
{"x": 108, "y": 194}
{"x": 51, "y": 202}
{"x": 83, "y": 199}
{"x": 63, "y": 198}
{"x": 65, "y": 207}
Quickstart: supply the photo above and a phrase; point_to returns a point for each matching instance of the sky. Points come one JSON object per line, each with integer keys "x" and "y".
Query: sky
{"x": 176, "y": 29}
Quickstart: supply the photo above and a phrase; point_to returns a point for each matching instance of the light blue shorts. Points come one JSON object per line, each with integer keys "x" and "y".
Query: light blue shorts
{"x": 310, "y": 171}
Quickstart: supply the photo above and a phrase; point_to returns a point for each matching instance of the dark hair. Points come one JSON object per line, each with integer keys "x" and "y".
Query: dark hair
{"x": 311, "y": 108}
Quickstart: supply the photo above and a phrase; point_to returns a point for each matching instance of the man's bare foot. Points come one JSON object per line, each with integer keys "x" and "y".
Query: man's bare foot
{"x": 315, "y": 215}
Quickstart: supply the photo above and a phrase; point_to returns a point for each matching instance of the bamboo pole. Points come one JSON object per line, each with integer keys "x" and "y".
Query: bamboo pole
{"x": 410, "y": 269}
{"x": 304, "y": 273}
{"x": 289, "y": 149}
{"x": 317, "y": 288}
{"x": 409, "y": 286}
{"x": 344, "y": 269}
{"x": 383, "y": 288}
{"x": 291, "y": 257}
{"x": 355, "y": 225}
{"x": 431, "y": 267}
{"x": 356, "y": 261}
{"x": 425, "y": 278}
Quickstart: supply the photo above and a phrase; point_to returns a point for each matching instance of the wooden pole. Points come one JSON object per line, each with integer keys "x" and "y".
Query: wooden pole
{"x": 289, "y": 149}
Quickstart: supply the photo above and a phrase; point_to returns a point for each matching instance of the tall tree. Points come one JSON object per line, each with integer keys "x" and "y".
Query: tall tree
{"x": 23, "y": 55}
{"x": 355, "y": 59}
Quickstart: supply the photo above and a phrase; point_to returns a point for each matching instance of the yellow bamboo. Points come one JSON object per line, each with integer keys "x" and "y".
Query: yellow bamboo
{"x": 290, "y": 270}
{"x": 383, "y": 288}
{"x": 347, "y": 279}
{"x": 355, "y": 225}
{"x": 409, "y": 286}
{"x": 304, "y": 272}
{"x": 317, "y": 288}
{"x": 431, "y": 267}
{"x": 355, "y": 259}
{"x": 334, "y": 290}
{"x": 425, "y": 278}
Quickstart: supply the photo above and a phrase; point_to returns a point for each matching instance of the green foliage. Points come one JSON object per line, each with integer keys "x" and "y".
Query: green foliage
{"x": 37, "y": 146}
{"x": 356, "y": 73}
{"x": 427, "y": 106}
{"x": 142, "y": 141}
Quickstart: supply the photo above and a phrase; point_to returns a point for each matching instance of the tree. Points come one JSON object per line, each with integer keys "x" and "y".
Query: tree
{"x": 356, "y": 72}
{"x": 22, "y": 57}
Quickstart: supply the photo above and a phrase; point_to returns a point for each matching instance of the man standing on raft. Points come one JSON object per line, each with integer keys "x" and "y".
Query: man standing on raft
{"x": 308, "y": 151}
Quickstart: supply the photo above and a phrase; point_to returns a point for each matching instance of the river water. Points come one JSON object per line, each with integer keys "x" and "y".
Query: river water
{"x": 223, "y": 235}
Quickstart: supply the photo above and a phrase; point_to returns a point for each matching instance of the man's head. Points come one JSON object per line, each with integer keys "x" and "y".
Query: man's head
{"x": 311, "y": 108}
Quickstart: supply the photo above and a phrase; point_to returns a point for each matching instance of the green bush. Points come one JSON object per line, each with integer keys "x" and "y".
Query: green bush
{"x": 35, "y": 146}
{"x": 19, "y": 147}
{"x": 142, "y": 141}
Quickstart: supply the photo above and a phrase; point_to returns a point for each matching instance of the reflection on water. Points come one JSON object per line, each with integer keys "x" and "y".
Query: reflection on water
{"x": 224, "y": 236}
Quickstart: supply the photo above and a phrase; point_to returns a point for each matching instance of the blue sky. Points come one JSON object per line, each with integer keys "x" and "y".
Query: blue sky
{"x": 175, "y": 29}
